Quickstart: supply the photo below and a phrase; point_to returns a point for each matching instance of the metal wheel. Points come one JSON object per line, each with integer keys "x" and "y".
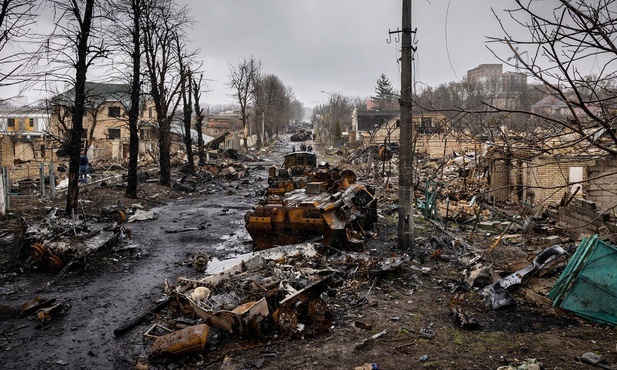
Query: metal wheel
{"x": 119, "y": 217}
{"x": 320, "y": 314}
{"x": 54, "y": 263}
{"x": 37, "y": 252}
{"x": 286, "y": 318}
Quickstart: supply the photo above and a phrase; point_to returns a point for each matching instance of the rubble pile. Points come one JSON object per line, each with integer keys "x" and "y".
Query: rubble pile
{"x": 277, "y": 294}
{"x": 57, "y": 242}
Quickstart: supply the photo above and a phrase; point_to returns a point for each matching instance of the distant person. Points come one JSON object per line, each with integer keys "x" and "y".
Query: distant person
{"x": 83, "y": 168}
{"x": 310, "y": 148}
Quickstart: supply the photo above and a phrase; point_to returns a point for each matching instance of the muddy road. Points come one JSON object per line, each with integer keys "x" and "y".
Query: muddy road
{"x": 110, "y": 289}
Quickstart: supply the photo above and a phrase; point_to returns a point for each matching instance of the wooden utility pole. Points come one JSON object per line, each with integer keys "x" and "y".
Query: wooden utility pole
{"x": 405, "y": 192}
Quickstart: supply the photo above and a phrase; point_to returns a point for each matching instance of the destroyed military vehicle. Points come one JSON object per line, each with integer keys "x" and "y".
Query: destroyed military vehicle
{"x": 325, "y": 203}
{"x": 293, "y": 174}
{"x": 303, "y": 135}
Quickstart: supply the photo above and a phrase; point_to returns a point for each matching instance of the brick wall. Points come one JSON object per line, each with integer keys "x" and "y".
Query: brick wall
{"x": 602, "y": 186}
{"x": 543, "y": 180}
{"x": 499, "y": 181}
{"x": 433, "y": 145}
{"x": 551, "y": 174}
{"x": 6, "y": 151}
{"x": 582, "y": 217}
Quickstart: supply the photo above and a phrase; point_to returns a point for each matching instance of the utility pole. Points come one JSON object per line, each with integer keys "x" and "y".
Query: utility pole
{"x": 405, "y": 192}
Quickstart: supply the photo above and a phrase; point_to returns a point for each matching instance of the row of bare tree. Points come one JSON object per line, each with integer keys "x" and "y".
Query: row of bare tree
{"x": 141, "y": 43}
{"x": 266, "y": 104}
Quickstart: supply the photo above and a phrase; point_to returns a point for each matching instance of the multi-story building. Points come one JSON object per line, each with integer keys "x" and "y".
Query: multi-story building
{"x": 24, "y": 131}
{"x": 494, "y": 80}
{"x": 106, "y": 131}
{"x": 484, "y": 72}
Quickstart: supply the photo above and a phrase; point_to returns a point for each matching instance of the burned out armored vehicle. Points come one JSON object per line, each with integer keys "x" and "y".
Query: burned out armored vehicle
{"x": 303, "y": 135}
{"x": 329, "y": 205}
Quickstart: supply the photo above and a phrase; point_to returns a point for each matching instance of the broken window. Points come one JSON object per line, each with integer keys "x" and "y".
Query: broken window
{"x": 426, "y": 125}
{"x": 113, "y": 112}
{"x": 113, "y": 133}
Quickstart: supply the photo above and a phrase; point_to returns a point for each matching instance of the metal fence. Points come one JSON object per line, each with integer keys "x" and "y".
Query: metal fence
{"x": 26, "y": 180}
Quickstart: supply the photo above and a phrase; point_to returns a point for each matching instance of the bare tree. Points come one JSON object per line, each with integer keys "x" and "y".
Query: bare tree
{"x": 127, "y": 20}
{"x": 76, "y": 44}
{"x": 242, "y": 79}
{"x": 199, "y": 117}
{"x": 161, "y": 23}
{"x": 16, "y": 20}
{"x": 187, "y": 115}
{"x": 562, "y": 42}
{"x": 338, "y": 116}
{"x": 185, "y": 59}
{"x": 297, "y": 111}
{"x": 273, "y": 106}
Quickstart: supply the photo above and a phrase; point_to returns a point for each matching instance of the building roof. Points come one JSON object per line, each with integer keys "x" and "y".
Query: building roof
{"x": 96, "y": 94}
{"x": 178, "y": 129}
{"x": 368, "y": 120}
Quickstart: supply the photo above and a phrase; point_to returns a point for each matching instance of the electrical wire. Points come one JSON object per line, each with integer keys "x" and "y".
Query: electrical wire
{"x": 446, "y": 37}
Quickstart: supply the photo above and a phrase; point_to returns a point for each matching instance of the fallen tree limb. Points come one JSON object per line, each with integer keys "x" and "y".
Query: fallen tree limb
{"x": 130, "y": 324}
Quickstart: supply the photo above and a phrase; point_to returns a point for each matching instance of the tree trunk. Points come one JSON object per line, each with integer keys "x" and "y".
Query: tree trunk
{"x": 81, "y": 69}
{"x": 164, "y": 148}
{"x": 131, "y": 186}
{"x": 200, "y": 141}
{"x": 188, "y": 112}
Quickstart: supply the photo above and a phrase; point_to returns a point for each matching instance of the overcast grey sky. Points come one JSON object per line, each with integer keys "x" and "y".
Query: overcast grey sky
{"x": 339, "y": 46}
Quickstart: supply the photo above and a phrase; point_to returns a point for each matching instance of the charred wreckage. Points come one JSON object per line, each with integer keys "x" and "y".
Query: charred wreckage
{"x": 305, "y": 201}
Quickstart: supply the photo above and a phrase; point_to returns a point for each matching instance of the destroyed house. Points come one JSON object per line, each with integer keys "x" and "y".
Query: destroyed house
{"x": 554, "y": 106}
{"x": 431, "y": 128}
{"x": 106, "y": 132}
{"x": 24, "y": 132}
{"x": 221, "y": 123}
{"x": 178, "y": 133}
{"x": 369, "y": 120}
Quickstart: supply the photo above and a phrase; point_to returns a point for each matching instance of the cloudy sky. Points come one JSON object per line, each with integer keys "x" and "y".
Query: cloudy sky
{"x": 339, "y": 46}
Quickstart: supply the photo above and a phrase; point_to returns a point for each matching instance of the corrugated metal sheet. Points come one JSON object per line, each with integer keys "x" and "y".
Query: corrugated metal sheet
{"x": 588, "y": 285}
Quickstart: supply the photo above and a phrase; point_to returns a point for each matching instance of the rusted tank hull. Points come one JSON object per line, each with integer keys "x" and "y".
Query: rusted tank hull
{"x": 300, "y": 216}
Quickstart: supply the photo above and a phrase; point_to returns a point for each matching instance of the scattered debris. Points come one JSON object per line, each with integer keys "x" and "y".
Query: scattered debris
{"x": 464, "y": 319}
{"x": 596, "y": 360}
{"x": 365, "y": 342}
{"x": 498, "y": 295}
{"x": 181, "y": 342}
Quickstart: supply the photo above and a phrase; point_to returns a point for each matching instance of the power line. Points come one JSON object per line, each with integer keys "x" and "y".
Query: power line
{"x": 446, "y": 37}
